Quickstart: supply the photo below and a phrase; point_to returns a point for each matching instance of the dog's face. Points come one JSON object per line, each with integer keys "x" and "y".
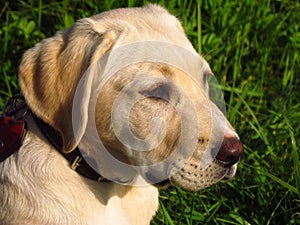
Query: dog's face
{"x": 160, "y": 89}
{"x": 152, "y": 115}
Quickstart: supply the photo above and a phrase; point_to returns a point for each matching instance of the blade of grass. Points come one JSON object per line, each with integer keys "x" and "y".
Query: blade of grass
{"x": 40, "y": 13}
{"x": 275, "y": 209}
{"x": 166, "y": 214}
{"x": 199, "y": 27}
{"x": 260, "y": 129}
{"x": 192, "y": 209}
{"x": 296, "y": 161}
{"x": 213, "y": 211}
{"x": 280, "y": 181}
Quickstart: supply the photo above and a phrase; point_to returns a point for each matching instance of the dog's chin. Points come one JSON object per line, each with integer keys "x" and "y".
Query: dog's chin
{"x": 161, "y": 184}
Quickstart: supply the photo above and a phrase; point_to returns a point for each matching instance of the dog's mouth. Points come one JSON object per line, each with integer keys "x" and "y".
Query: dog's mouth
{"x": 230, "y": 172}
{"x": 224, "y": 175}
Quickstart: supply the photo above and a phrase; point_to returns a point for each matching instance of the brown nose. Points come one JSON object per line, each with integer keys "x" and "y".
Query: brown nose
{"x": 230, "y": 152}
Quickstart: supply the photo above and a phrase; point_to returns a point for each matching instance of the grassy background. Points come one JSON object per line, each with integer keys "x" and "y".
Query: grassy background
{"x": 253, "y": 48}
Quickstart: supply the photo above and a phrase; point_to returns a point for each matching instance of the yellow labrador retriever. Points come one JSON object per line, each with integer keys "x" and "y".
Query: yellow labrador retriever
{"x": 119, "y": 106}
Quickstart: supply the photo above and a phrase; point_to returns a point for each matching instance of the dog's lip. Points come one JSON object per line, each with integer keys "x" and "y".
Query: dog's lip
{"x": 230, "y": 172}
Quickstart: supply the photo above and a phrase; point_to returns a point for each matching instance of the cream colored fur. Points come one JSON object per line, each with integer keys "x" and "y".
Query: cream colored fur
{"x": 39, "y": 188}
{"x": 37, "y": 185}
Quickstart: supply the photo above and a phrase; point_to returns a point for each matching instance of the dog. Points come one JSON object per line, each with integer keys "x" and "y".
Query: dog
{"x": 128, "y": 93}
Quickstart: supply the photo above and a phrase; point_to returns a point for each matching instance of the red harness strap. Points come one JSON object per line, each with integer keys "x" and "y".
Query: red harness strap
{"x": 12, "y": 133}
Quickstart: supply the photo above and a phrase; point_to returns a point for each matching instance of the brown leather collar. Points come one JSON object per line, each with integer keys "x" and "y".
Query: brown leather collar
{"x": 17, "y": 103}
{"x": 75, "y": 158}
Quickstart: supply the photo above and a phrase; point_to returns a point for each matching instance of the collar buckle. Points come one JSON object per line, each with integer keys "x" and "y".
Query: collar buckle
{"x": 76, "y": 162}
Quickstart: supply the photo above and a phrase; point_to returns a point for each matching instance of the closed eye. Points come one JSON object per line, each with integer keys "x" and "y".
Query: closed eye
{"x": 161, "y": 91}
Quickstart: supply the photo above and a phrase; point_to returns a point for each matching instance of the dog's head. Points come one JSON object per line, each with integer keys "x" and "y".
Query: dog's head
{"x": 128, "y": 88}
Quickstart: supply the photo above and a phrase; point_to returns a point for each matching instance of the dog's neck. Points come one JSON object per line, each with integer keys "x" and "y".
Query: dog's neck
{"x": 75, "y": 158}
{"x": 50, "y": 191}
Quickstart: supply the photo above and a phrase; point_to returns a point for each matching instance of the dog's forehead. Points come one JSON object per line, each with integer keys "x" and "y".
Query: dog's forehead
{"x": 157, "y": 36}
{"x": 120, "y": 57}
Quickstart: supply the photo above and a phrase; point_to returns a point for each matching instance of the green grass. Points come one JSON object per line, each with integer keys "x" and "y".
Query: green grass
{"x": 253, "y": 48}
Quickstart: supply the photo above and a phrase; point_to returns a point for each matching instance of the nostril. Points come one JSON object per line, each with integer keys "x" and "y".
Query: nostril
{"x": 230, "y": 152}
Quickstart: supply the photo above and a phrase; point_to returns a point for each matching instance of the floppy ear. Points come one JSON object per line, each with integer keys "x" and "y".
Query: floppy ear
{"x": 50, "y": 71}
